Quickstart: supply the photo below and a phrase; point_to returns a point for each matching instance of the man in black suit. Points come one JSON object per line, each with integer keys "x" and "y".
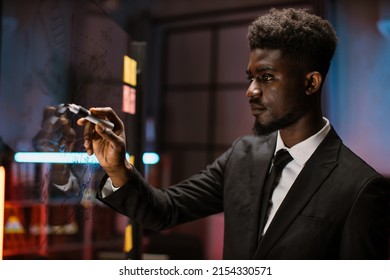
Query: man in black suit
{"x": 327, "y": 203}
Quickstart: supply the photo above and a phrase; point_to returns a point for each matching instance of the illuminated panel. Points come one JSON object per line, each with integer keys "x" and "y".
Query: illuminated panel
{"x": 128, "y": 242}
{"x": 150, "y": 158}
{"x": 50, "y": 157}
{"x": 129, "y": 71}
{"x": 129, "y": 100}
{"x": 2, "y": 196}
{"x": 74, "y": 158}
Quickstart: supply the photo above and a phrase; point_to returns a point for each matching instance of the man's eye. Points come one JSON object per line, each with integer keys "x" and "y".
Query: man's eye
{"x": 267, "y": 77}
{"x": 264, "y": 78}
{"x": 250, "y": 79}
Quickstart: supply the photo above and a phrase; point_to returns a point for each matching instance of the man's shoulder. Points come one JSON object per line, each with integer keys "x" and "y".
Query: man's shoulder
{"x": 253, "y": 141}
{"x": 348, "y": 161}
{"x": 352, "y": 161}
{"x": 248, "y": 147}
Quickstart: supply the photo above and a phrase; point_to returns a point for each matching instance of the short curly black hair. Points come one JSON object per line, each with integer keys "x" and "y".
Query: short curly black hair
{"x": 297, "y": 34}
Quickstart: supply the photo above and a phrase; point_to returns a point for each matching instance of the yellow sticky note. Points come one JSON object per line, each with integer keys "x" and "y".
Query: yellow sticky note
{"x": 129, "y": 71}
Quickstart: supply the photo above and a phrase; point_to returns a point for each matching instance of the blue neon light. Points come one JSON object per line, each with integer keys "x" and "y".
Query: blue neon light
{"x": 150, "y": 158}
{"x": 51, "y": 157}
{"x": 71, "y": 158}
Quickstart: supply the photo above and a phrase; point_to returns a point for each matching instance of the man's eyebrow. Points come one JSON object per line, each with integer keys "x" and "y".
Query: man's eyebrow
{"x": 264, "y": 68}
{"x": 260, "y": 69}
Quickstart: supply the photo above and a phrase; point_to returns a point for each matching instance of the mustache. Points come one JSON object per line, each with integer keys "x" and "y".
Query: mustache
{"x": 256, "y": 100}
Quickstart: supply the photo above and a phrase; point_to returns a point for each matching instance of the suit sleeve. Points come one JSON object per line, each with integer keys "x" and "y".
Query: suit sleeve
{"x": 366, "y": 231}
{"x": 199, "y": 196}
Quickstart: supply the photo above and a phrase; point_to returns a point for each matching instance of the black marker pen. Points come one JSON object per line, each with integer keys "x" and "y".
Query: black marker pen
{"x": 84, "y": 113}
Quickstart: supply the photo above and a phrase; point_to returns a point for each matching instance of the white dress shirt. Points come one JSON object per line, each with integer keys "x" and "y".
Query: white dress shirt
{"x": 300, "y": 153}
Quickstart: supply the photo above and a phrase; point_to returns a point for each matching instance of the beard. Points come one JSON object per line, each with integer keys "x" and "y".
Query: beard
{"x": 261, "y": 129}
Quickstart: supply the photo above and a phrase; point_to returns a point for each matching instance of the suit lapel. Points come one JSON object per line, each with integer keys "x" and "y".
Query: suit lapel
{"x": 316, "y": 170}
{"x": 260, "y": 165}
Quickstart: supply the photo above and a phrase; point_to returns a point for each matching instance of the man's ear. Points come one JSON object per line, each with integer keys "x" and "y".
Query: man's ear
{"x": 313, "y": 82}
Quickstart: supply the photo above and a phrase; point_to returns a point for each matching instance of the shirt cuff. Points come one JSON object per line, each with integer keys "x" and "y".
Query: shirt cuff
{"x": 108, "y": 188}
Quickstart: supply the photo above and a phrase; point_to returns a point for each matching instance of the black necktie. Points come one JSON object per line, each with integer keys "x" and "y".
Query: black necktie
{"x": 281, "y": 159}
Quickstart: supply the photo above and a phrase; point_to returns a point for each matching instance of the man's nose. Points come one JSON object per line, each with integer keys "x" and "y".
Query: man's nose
{"x": 252, "y": 90}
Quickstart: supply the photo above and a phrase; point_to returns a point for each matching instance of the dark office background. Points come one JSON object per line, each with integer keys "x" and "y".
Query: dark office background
{"x": 194, "y": 79}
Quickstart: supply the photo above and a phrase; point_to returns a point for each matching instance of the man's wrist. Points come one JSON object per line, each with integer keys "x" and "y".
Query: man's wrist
{"x": 121, "y": 176}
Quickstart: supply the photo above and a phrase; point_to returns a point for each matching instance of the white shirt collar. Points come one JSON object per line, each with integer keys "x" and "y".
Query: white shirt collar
{"x": 302, "y": 151}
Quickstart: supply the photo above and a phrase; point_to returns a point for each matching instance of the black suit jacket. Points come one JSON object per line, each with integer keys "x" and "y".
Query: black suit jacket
{"x": 338, "y": 207}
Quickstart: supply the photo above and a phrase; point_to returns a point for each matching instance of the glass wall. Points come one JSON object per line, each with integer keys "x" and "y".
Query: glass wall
{"x": 56, "y": 52}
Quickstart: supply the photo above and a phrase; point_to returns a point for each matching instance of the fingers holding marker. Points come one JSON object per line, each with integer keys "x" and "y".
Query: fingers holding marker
{"x": 105, "y": 116}
{"x": 103, "y": 124}
{"x": 116, "y": 136}
{"x": 116, "y": 141}
{"x": 86, "y": 114}
{"x": 108, "y": 114}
